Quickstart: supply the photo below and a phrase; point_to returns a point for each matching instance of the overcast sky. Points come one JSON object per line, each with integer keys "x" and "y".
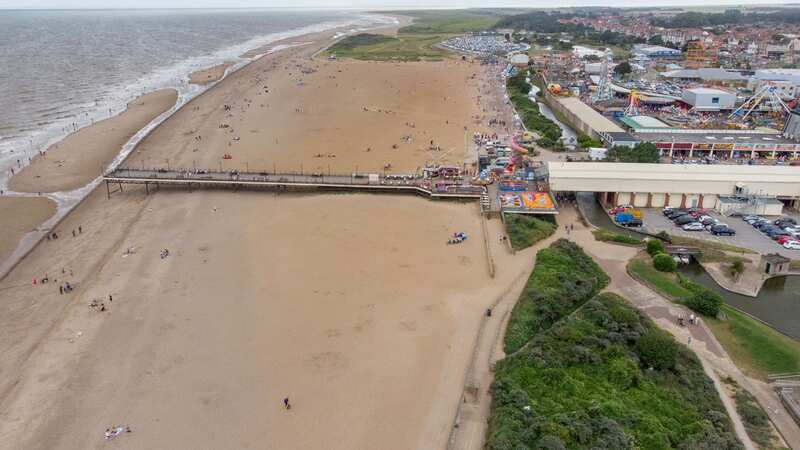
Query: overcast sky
{"x": 355, "y": 4}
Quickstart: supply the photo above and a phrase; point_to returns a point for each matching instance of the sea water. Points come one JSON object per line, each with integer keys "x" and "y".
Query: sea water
{"x": 63, "y": 69}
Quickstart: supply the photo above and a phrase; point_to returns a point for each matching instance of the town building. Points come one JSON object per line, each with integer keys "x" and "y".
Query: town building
{"x": 709, "y": 99}
{"x": 659, "y": 185}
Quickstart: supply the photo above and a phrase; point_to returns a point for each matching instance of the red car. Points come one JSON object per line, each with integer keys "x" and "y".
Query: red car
{"x": 784, "y": 239}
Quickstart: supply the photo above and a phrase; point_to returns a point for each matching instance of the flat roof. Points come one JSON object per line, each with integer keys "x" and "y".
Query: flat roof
{"x": 706, "y": 90}
{"x": 637, "y": 122}
{"x": 629, "y": 172}
{"x": 715, "y": 138}
{"x": 586, "y": 113}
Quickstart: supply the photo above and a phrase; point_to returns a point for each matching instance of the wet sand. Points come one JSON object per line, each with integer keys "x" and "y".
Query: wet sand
{"x": 351, "y": 305}
{"x": 21, "y": 215}
{"x": 83, "y": 155}
{"x": 210, "y": 74}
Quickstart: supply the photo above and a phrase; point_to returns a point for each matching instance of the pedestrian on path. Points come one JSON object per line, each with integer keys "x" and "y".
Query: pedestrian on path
{"x": 689, "y": 341}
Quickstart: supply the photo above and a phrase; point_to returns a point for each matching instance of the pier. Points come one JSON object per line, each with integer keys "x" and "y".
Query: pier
{"x": 210, "y": 179}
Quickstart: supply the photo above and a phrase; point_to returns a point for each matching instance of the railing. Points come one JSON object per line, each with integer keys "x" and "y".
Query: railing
{"x": 447, "y": 187}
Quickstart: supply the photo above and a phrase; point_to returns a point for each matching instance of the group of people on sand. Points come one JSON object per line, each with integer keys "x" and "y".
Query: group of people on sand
{"x": 115, "y": 431}
{"x": 457, "y": 238}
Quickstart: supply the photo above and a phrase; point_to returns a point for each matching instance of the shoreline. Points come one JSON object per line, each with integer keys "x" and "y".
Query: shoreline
{"x": 313, "y": 327}
{"x": 76, "y": 160}
{"x": 210, "y": 74}
{"x": 67, "y": 200}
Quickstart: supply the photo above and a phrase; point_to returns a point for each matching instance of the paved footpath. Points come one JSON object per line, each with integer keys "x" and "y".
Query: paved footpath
{"x": 474, "y": 410}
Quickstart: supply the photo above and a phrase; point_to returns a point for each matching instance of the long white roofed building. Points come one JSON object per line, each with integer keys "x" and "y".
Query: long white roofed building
{"x": 677, "y": 185}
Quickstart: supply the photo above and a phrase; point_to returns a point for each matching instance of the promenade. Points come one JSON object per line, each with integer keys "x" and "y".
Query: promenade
{"x": 198, "y": 178}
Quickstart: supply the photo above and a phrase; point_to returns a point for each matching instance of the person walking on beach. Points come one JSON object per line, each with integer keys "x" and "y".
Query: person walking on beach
{"x": 286, "y": 403}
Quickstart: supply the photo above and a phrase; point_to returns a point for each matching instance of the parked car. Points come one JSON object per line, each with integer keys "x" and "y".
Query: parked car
{"x": 708, "y": 221}
{"x": 784, "y": 239}
{"x": 785, "y": 220}
{"x": 676, "y": 217}
{"x": 761, "y": 223}
{"x": 792, "y": 245}
{"x": 674, "y": 213}
{"x": 766, "y": 226}
{"x": 722, "y": 230}
{"x": 694, "y": 226}
{"x": 632, "y": 223}
{"x": 754, "y": 220}
{"x": 750, "y": 217}
{"x": 683, "y": 220}
{"x": 774, "y": 233}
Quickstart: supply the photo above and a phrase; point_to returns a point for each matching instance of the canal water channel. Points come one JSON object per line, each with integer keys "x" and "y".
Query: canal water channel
{"x": 777, "y": 304}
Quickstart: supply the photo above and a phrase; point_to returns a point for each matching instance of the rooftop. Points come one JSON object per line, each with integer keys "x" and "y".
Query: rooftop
{"x": 637, "y": 122}
{"x": 592, "y": 118}
{"x": 712, "y": 137}
{"x": 675, "y": 172}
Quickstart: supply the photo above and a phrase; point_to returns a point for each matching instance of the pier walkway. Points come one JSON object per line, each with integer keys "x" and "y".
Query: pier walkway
{"x": 236, "y": 179}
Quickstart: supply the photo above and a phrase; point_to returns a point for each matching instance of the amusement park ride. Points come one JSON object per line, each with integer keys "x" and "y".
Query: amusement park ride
{"x": 633, "y": 104}
{"x": 603, "y": 91}
{"x": 765, "y": 99}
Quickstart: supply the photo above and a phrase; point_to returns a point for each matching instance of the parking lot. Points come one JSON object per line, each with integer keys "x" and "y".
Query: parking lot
{"x": 746, "y": 236}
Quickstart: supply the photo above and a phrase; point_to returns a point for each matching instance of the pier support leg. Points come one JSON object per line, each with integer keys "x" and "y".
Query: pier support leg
{"x": 108, "y": 190}
{"x": 146, "y": 188}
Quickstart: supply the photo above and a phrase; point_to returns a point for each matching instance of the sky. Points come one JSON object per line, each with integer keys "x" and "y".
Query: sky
{"x": 353, "y": 4}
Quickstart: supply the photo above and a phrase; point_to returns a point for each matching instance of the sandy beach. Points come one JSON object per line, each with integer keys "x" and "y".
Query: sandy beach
{"x": 80, "y": 157}
{"x": 21, "y": 215}
{"x": 316, "y": 115}
{"x": 210, "y": 74}
{"x": 353, "y": 306}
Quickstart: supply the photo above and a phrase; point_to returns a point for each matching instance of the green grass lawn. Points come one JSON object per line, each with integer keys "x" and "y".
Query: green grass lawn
{"x": 524, "y": 230}
{"x": 617, "y": 238}
{"x": 755, "y": 419}
{"x": 704, "y": 245}
{"x": 755, "y": 347}
{"x": 667, "y": 284}
{"x": 450, "y": 21}
{"x": 373, "y": 47}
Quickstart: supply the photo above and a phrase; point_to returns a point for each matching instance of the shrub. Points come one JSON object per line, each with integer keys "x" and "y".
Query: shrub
{"x": 737, "y": 267}
{"x": 664, "y": 263}
{"x": 524, "y": 231}
{"x": 563, "y": 279}
{"x": 657, "y": 349}
{"x": 654, "y": 247}
{"x": 610, "y": 236}
{"x": 705, "y": 302}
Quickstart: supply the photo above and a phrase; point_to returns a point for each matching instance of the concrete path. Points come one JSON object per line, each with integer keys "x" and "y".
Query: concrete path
{"x": 473, "y": 415}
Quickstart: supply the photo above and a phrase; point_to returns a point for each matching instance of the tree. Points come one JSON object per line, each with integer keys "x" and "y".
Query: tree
{"x": 644, "y": 152}
{"x": 623, "y": 68}
{"x": 657, "y": 349}
{"x": 656, "y": 39}
{"x": 705, "y": 302}
{"x": 664, "y": 263}
{"x": 654, "y": 247}
{"x": 737, "y": 268}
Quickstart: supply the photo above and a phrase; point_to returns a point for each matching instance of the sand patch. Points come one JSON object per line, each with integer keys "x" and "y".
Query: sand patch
{"x": 21, "y": 215}
{"x": 210, "y": 74}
